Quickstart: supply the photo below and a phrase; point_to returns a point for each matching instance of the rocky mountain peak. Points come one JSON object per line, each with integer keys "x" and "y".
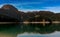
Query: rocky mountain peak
{"x": 9, "y": 7}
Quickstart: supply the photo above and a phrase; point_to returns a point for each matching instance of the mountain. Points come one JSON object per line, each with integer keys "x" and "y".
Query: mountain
{"x": 13, "y": 12}
{"x": 9, "y": 7}
{"x": 9, "y": 10}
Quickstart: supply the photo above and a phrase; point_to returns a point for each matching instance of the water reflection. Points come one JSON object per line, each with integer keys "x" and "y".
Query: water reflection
{"x": 14, "y": 29}
{"x": 38, "y": 28}
{"x": 55, "y": 34}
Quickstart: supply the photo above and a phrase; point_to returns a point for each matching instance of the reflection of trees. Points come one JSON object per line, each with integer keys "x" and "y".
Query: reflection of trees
{"x": 57, "y": 27}
{"x": 9, "y": 30}
{"x": 34, "y": 28}
{"x": 39, "y": 28}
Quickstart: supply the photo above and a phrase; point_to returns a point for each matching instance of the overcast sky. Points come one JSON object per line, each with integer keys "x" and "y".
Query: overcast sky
{"x": 33, "y": 5}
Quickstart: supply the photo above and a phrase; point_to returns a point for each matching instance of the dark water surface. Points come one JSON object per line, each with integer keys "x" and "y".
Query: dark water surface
{"x": 30, "y": 30}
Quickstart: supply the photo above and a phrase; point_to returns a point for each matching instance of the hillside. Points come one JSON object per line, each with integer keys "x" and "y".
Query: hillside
{"x": 10, "y": 10}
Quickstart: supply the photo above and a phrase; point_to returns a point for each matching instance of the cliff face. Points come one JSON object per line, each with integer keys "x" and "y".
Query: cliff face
{"x": 9, "y": 7}
{"x": 9, "y": 10}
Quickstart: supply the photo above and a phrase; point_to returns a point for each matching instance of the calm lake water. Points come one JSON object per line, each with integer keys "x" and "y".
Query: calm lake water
{"x": 30, "y": 30}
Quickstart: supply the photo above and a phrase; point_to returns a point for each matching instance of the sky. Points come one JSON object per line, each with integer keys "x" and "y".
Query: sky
{"x": 34, "y": 5}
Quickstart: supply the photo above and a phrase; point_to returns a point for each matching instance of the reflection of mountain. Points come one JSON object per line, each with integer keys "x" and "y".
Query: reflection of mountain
{"x": 33, "y": 28}
{"x": 38, "y": 28}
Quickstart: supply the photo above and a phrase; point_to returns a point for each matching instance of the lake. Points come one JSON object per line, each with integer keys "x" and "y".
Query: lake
{"x": 55, "y": 34}
{"x": 30, "y": 30}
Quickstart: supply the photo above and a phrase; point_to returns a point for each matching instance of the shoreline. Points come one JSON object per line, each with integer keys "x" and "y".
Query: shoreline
{"x": 28, "y": 22}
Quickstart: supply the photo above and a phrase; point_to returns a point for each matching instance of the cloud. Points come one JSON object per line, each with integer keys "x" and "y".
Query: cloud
{"x": 24, "y": 3}
{"x": 26, "y": 10}
{"x": 27, "y": 7}
{"x": 52, "y": 9}
{"x": 1, "y": 5}
{"x": 14, "y": 4}
{"x": 27, "y": 3}
{"x": 37, "y": 2}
